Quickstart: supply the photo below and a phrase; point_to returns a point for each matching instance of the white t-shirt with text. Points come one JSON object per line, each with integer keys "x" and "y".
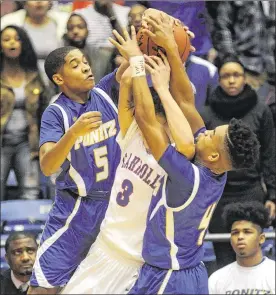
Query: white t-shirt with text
{"x": 236, "y": 279}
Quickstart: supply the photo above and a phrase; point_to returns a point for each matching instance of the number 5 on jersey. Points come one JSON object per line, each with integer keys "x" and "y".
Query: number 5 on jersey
{"x": 101, "y": 161}
{"x": 205, "y": 222}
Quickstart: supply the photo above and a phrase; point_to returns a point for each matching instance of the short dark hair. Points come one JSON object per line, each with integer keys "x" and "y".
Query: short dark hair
{"x": 17, "y": 236}
{"x": 28, "y": 57}
{"x": 159, "y": 109}
{"x": 252, "y": 211}
{"x": 229, "y": 57}
{"x": 242, "y": 145}
{"x": 56, "y": 59}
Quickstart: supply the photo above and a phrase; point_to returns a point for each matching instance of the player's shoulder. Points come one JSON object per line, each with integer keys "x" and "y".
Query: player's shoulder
{"x": 269, "y": 263}
{"x": 102, "y": 98}
{"x": 56, "y": 107}
{"x": 222, "y": 272}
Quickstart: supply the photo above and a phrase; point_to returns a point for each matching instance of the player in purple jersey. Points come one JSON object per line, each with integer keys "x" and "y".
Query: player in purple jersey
{"x": 77, "y": 140}
{"x": 180, "y": 213}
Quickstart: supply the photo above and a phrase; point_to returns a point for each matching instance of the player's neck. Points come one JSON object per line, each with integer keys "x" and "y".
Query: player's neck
{"x": 77, "y": 97}
{"x": 250, "y": 261}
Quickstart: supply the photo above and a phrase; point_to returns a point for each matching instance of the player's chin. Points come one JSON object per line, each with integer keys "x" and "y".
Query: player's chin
{"x": 90, "y": 83}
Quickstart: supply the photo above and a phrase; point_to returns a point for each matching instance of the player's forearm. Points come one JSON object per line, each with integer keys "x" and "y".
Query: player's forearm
{"x": 179, "y": 126}
{"x": 144, "y": 107}
{"x": 125, "y": 106}
{"x": 180, "y": 85}
{"x": 51, "y": 159}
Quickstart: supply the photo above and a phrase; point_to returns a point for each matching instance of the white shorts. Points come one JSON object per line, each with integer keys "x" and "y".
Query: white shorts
{"x": 102, "y": 272}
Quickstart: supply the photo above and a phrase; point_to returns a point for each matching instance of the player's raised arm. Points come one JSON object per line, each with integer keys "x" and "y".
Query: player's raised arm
{"x": 126, "y": 104}
{"x": 180, "y": 85}
{"x": 179, "y": 127}
{"x": 145, "y": 115}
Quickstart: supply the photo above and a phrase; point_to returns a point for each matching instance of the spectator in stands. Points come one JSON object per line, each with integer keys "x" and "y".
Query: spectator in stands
{"x": 204, "y": 76}
{"x": 76, "y": 34}
{"x": 234, "y": 98}
{"x": 247, "y": 29}
{"x": 45, "y": 27}
{"x": 21, "y": 249}
{"x": 135, "y": 16}
{"x": 101, "y": 18}
{"x": 134, "y": 19}
{"x": 251, "y": 273}
{"x": 23, "y": 99}
{"x": 8, "y": 6}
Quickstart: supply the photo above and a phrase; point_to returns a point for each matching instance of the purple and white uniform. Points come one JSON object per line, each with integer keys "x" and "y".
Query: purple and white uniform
{"x": 177, "y": 223}
{"x": 82, "y": 187}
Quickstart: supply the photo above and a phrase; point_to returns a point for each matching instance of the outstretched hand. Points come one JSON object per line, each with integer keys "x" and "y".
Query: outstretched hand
{"x": 159, "y": 69}
{"x": 127, "y": 46}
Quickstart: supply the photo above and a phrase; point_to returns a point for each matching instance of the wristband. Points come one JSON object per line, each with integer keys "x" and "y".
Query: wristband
{"x": 137, "y": 64}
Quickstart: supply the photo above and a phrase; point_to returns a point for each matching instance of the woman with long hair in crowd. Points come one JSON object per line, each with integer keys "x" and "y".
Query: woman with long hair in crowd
{"x": 23, "y": 98}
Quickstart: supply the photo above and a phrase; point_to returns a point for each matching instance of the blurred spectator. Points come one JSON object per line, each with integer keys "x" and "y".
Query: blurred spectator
{"x": 8, "y": 6}
{"x": 194, "y": 15}
{"x": 247, "y": 29}
{"x": 204, "y": 76}
{"x": 101, "y": 18}
{"x": 41, "y": 23}
{"x": 134, "y": 19}
{"x": 23, "y": 99}
{"x": 21, "y": 249}
{"x": 76, "y": 34}
{"x": 135, "y": 16}
{"x": 235, "y": 98}
{"x": 251, "y": 273}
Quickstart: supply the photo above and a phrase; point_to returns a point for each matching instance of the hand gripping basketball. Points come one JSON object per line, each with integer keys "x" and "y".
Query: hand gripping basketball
{"x": 165, "y": 33}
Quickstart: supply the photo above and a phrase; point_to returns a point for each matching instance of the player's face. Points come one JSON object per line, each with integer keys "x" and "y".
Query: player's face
{"x": 10, "y": 43}
{"x": 76, "y": 73}
{"x": 210, "y": 144}
{"x": 77, "y": 29}
{"x": 135, "y": 16}
{"x": 21, "y": 256}
{"x": 37, "y": 9}
{"x": 232, "y": 78}
{"x": 246, "y": 238}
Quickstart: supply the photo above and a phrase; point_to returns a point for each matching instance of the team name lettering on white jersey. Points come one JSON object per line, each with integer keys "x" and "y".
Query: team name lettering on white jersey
{"x": 143, "y": 170}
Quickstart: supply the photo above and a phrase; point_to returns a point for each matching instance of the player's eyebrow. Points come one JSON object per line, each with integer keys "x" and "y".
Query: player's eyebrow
{"x": 73, "y": 59}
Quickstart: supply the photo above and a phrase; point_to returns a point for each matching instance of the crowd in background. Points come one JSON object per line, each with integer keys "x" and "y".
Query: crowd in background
{"x": 238, "y": 32}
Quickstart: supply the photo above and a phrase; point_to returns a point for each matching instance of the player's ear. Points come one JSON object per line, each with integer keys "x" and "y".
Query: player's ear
{"x": 262, "y": 238}
{"x": 213, "y": 157}
{"x": 58, "y": 79}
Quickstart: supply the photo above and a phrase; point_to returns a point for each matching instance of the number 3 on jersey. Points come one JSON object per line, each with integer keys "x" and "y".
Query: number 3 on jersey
{"x": 205, "y": 222}
{"x": 123, "y": 196}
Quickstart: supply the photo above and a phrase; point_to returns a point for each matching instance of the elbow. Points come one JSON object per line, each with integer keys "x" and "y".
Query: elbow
{"x": 46, "y": 170}
{"x": 188, "y": 150}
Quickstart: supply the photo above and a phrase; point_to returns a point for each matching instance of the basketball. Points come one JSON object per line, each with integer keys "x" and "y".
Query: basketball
{"x": 182, "y": 39}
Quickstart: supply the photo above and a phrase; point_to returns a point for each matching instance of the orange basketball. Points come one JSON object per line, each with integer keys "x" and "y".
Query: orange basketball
{"x": 182, "y": 39}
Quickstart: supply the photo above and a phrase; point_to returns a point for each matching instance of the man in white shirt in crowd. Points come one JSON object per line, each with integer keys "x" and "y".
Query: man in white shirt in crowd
{"x": 101, "y": 18}
{"x": 251, "y": 273}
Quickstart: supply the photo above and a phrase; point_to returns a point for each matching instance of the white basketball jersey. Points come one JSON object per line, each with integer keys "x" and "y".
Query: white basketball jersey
{"x": 137, "y": 181}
